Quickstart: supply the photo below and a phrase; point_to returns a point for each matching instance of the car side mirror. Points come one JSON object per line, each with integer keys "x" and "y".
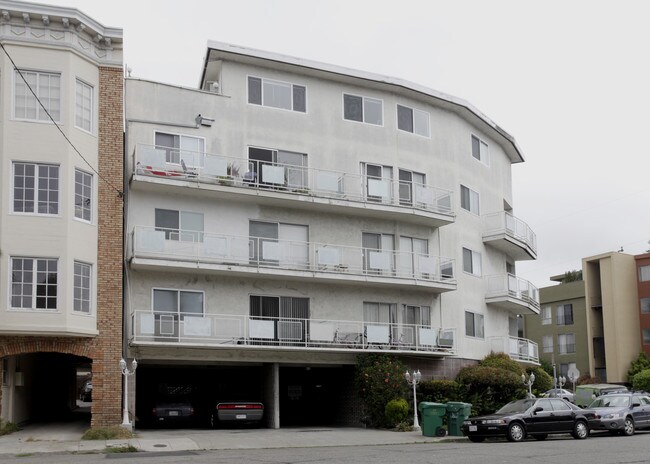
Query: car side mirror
{"x": 538, "y": 409}
{"x": 636, "y": 405}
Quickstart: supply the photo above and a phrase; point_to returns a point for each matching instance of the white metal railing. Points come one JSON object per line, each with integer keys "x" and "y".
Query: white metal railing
{"x": 509, "y": 285}
{"x": 171, "y": 163}
{"x": 505, "y": 222}
{"x": 203, "y": 247}
{"x": 245, "y": 330}
{"x": 517, "y": 348}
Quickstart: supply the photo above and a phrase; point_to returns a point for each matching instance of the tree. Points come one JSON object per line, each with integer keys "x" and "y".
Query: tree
{"x": 572, "y": 276}
{"x": 641, "y": 363}
{"x": 641, "y": 380}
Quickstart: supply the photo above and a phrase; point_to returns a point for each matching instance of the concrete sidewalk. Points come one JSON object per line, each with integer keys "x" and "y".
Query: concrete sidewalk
{"x": 51, "y": 439}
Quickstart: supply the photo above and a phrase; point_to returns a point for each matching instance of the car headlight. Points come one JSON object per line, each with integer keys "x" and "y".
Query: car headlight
{"x": 614, "y": 415}
{"x": 494, "y": 421}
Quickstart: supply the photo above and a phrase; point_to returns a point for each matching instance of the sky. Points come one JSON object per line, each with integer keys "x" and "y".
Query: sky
{"x": 570, "y": 80}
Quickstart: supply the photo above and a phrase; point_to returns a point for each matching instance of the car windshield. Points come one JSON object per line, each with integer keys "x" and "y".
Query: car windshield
{"x": 611, "y": 401}
{"x": 516, "y": 406}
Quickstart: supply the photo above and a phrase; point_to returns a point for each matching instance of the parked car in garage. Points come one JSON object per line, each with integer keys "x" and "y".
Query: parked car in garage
{"x": 86, "y": 392}
{"x": 536, "y": 417}
{"x": 173, "y": 409}
{"x": 236, "y": 412}
{"x": 622, "y": 412}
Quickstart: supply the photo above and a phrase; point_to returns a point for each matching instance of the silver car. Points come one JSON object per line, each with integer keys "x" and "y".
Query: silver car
{"x": 559, "y": 393}
{"x": 621, "y": 412}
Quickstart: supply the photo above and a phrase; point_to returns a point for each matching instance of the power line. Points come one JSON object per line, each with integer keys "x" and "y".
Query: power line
{"x": 120, "y": 194}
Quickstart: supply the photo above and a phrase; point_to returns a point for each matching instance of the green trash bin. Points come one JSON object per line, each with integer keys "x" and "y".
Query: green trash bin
{"x": 432, "y": 415}
{"x": 457, "y": 412}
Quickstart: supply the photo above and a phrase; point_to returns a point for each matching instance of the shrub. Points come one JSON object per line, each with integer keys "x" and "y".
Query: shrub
{"x": 7, "y": 427}
{"x": 502, "y": 361}
{"x": 380, "y": 378}
{"x": 106, "y": 433}
{"x": 489, "y": 388}
{"x": 641, "y": 363}
{"x": 438, "y": 391}
{"x": 586, "y": 379}
{"x": 546, "y": 366}
{"x": 396, "y": 411}
{"x": 641, "y": 380}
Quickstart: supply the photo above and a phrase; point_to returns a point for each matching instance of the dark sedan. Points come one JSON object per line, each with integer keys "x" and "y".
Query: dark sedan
{"x": 536, "y": 417}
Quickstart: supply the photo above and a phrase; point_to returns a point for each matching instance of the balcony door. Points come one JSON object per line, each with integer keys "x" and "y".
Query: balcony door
{"x": 378, "y": 253}
{"x": 277, "y": 168}
{"x": 278, "y": 244}
{"x": 411, "y": 251}
{"x": 283, "y": 318}
{"x": 377, "y": 182}
{"x": 414, "y": 318}
{"x": 408, "y": 183}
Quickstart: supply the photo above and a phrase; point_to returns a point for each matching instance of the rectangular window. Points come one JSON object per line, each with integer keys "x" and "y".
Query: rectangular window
{"x": 412, "y": 120}
{"x": 178, "y": 303}
{"x": 181, "y": 149}
{"x": 33, "y": 283}
{"x": 646, "y": 336}
{"x": 547, "y": 343}
{"x": 363, "y": 109}
{"x": 565, "y": 314}
{"x": 84, "y": 106}
{"x": 409, "y": 182}
{"x": 547, "y": 317}
{"x": 480, "y": 150}
{"x": 5, "y": 371}
{"x": 469, "y": 200}
{"x": 644, "y": 273}
{"x": 273, "y": 243}
{"x": 83, "y": 190}
{"x": 36, "y": 188}
{"x": 47, "y": 86}
{"x": 182, "y": 226}
{"x": 277, "y": 168}
{"x": 566, "y": 343}
{"x": 82, "y": 285}
{"x": 377, "y": 182}
{"x": 471, "y": 262}
{"x": 277, "y": 94}
{"x": 385, "y": 313}
{"x": 474, "y": 325}
{"x": 645, "y": 305}
{"x": 281, "y": 319}
{"x": 378, "y": 253}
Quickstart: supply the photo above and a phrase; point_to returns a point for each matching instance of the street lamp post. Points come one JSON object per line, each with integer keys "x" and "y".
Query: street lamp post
{"x": 529, "y": 382}
{"x": 126, "y": 373}
{"x": 561, "y": 381}
{"x": 414, "y": 380}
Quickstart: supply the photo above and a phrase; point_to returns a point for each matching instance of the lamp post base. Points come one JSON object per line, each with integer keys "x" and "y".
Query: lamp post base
{"x": 417, "y": 428}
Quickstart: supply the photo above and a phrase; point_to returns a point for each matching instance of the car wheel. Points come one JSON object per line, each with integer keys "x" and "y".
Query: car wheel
{"x": 476, "y": 439}
{"x": 628, "y": 427}
{"x": 440, "y": 432}
{"x": 540, "y": 437}
{"x": 580, "y": 430}
{"x": 516, "y": 432}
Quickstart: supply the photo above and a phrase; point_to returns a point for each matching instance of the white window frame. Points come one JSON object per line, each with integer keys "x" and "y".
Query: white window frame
{"x": 80, "y": 199}
{"x": 546, "y": 315}
{"x": 292, "y": 86}
{"x": 81, "y": 305}
{"x": 41, "y": 115}
{"x": 181, "y": 234}
{"x": 34, "y": 283}
{"x": 644, "y": 305}
{"x": 415, "y": 112}
{"x": 364, "y": 100}
{"x": 563, "y": 345}
{"x": 484, "y": 150}
{"x": 478, "y": 322}
{"x": 644, "y": 273}
{"x": 562, "y": 320}
{"x": 547, "y": 344}
{"x": 646, "y": 336}
{"x": 80, "y": 120}
{"x": 36, "y": 189}
{"x": 178, "y": 302}
{"x": 474, "y": 206}
{"x": 193, "y": 159}
{"x": 475, "y": 262}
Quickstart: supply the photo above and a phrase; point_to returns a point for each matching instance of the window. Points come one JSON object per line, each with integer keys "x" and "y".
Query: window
{"x": 644, "y": 273}
{"x": 36, "y": 188}
{"x": 273, "y": 243}
{"x": 83, "y": 189}
{"x": 82, "y": 282}
{"x": 547, "y": 343}
{"x": 412, "y": 120}
{"x": 547, "y": 317}
{"x": 469, "y": 200}
{"x": 646, "y": 336}
{"x": 377, "y": 182}
{"x": 645, "y": 305}
{"x": 474, "y": 325}
{"x": 277, "y": 168}
{"x": 378, "y": 253}
{"x": 33, "y": 283}
{"x": 564, "y": 368}
{"x": 566, "y": 343}
{"x": 565, "y": 314}
{"x": 277, "y": 94}
{"x": 84, "y": 107}
{"x": 47, "y": 86}
{"x": 471, "y": 262}
{"x": 411, "y": 253}
{"x": 363, "y": 109}
{"x": 281, "y": 318}
{"x": 380, "y": 312}
{"x": 5, "y": 371}
{"x": 181, "y": 149}
{"x": 480, "y": 150}
{"x": 178, "y": 302}
{"x": 182, "y": 226}
{"x": 409, "y": 182}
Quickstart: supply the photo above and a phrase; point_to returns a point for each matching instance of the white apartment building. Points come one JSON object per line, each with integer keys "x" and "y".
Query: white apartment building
{"x": 289, "y": 215}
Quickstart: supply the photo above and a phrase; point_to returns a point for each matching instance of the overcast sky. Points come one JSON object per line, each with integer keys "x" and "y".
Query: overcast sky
{"x": 570, "y": 80}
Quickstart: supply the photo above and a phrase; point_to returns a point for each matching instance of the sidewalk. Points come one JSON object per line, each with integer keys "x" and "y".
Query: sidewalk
{"x": 61, "y": 440}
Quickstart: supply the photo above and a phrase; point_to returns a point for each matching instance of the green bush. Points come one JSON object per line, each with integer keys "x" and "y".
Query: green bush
{"x": 502, "y": 361}
{"x": 106, "y": 433}
{"x": 396, "y": 411}
{"x": 7, "y": 427}
{"x": 379, "y": 379}
{"x": 546, "y": 365}
{"x": 641, "y": 380}
{"x": 438, "y": 391}
{"x": 641, "y": 363}
{"x": 489, "y": 388}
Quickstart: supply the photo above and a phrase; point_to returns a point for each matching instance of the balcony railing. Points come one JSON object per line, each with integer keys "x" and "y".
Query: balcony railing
{"x": 509, "y": 286}
{"x": 266, "y": 253}
{"x": 520, "y": 349}
{"x": 507, "y": 224}
{"x": 170, "y": 163}
{"x": 235, "y": 331}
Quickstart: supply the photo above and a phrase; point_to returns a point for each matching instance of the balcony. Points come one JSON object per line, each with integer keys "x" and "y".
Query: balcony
{"x": 505, "y": 232}
{"x": 512, "y": 293}
{"x": 519, "y": 349}
{"x": 293, "y": 186}
{"x": 192, "y": 251}
{"x": 227, "y": 331}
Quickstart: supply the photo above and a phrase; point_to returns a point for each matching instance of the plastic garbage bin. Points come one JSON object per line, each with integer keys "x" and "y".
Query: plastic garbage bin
{"x": 432, "y": 414}
{"x": 457, "y": 412}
